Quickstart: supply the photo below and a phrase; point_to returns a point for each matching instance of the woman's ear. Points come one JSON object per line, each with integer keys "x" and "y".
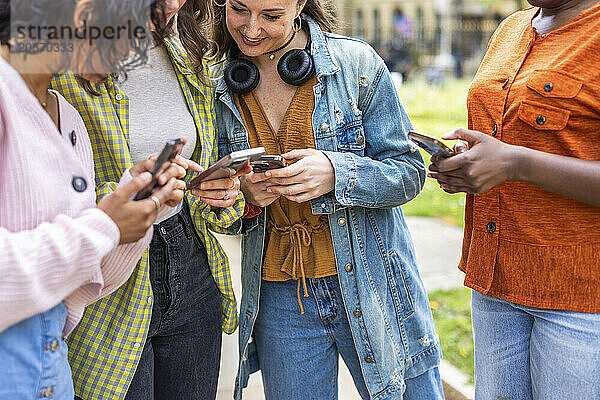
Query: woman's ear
{"x": 82, "y": 12}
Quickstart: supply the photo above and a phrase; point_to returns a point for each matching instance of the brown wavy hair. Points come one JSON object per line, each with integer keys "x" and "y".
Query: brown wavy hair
{"x": 321, "y": 11}
{"x": 192, "y": 26}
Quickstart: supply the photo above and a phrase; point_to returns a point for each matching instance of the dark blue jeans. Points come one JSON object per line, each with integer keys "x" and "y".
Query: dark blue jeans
{"x": 182, "y": 354}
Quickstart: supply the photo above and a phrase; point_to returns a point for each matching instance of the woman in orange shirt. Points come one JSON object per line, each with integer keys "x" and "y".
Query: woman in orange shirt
{"x": 531, "y": 249}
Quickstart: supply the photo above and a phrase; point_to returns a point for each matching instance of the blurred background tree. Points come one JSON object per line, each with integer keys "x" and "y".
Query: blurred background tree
{"x": 434, "y": 38}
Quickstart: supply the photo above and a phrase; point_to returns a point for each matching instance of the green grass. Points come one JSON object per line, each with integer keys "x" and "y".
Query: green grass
{"x": 435, "y": 110}
{"x": 452, "y": 315}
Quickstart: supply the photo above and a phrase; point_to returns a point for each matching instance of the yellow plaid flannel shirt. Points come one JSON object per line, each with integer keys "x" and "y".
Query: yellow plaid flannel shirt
{"x": 106, "y": 346}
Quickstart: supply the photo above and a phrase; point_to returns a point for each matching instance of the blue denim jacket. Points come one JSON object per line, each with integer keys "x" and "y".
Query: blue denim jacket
{"x": 33, "y": 357}
{"x": 360, "y": 124}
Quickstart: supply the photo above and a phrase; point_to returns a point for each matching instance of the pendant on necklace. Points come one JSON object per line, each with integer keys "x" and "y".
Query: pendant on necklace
{"x": 271, "y": 57}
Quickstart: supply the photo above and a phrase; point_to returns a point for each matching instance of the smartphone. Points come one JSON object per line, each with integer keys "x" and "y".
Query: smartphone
{"x": 221, "y": 169}
{"x": 265, "y": 163}
{"x": 163, "y": 162}
{"x": 431, "y": 145}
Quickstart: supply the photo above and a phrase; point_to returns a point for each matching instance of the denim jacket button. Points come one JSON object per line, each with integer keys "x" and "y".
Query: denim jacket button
{"x": 323, "y": 127}
{"x": 54, "y": 345}
{"x": 348, "y": 267}
{"x": 342, "y": 221}
{"x": 360, "y": 139}
{"x": 368, "y": 359}
{"x": 357, "y": 313}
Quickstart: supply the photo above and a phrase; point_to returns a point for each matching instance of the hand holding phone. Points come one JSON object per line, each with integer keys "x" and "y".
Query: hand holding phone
{"x": 222, "y": 168}
{"x": 162, "y": 163}
{"x": 431, "y": 145}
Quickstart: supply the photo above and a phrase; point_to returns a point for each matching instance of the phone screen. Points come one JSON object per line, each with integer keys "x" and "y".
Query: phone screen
{"x": 430, "y": 144}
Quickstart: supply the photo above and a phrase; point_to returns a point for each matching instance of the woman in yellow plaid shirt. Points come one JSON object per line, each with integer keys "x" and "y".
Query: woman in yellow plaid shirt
{"x": 159, "y": 335}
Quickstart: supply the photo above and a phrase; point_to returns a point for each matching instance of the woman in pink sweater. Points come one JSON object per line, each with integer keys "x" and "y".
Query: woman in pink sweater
{"x": 59, "y": 251}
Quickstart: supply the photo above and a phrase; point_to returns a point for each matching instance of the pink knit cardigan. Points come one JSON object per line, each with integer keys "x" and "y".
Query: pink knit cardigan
{"x": 55, "y": 245}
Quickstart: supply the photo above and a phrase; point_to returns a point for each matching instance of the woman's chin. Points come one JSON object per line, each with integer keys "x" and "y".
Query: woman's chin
{"x": 250, "y": 51}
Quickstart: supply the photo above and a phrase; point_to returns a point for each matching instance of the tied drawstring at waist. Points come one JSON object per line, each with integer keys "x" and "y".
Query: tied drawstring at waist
{"x": 299, "y": 236}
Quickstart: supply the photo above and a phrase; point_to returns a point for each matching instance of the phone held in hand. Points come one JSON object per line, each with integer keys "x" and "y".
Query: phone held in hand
{"x": 222, "y": 168}
{"x": 163, "y": 162}
{"x": 430, "y": 144}
{"x": 266, "y": 162}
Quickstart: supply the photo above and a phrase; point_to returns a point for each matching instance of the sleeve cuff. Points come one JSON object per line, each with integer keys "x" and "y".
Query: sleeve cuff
{"x": 345, "y": 176}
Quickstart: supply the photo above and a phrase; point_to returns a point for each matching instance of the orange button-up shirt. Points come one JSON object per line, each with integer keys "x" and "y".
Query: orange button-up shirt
{"x": 522, "y": 243}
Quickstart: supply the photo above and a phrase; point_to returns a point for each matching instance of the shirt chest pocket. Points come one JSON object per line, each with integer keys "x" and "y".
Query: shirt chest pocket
{"x": 542, "y": 116}
{"x": 351, "y": 136}
{"x": 554, "y": 84}
{"x": 550, "y": 112}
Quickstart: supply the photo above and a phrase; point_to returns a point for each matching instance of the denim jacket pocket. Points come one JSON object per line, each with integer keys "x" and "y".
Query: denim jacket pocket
{"x": 542, "y": 116}
{"x": 403, "y": 284}
{"x": 351, "y": 136}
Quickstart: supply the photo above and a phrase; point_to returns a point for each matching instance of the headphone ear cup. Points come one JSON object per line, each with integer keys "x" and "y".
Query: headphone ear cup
{"x": 296, "y": 67}
{"x": 241, "y": 76}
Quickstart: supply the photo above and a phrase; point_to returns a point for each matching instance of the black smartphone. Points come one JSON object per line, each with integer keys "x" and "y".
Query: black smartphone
{"x": 222, "y": 168}
{"x": 163, "y": 162}
{"x": 430, "y": 144}
{"x": 266, "y": 162}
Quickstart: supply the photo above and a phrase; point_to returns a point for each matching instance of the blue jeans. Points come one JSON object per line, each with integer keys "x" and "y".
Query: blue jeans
{"x": 182, "y": 354}
{"x": 524, "y": 353}
{"x": 298, "y": 353}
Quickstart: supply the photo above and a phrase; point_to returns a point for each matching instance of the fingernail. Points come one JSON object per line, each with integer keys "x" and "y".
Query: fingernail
{"x": 268, "y": 174}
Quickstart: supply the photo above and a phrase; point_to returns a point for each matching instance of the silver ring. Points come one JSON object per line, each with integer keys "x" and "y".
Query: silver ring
{"x": 156, "y": 202}
{"x": 226, "y": 197}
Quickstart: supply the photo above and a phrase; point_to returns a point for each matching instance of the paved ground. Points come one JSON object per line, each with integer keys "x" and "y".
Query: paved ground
{"x": 438, "y": 251}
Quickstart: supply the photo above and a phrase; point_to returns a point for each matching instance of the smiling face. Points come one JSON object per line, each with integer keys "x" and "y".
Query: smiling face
{"x": 259, "y": 26}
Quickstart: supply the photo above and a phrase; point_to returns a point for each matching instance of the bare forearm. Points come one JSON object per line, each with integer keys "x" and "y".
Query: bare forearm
{"x": 567, "y": 176}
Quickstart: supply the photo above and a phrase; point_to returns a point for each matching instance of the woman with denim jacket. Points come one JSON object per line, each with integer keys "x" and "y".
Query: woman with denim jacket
{"x": 328, "y": 266}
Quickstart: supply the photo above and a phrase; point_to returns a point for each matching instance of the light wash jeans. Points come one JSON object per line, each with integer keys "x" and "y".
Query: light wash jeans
{"x": 524, "y": 353}
{"x": 298, "y": 353}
